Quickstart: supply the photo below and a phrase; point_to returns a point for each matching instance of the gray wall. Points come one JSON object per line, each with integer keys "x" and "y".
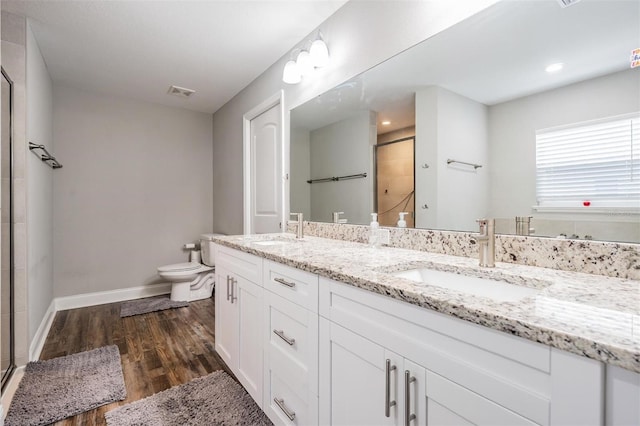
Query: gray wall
{"x": 512, "y": 127}
{"x": 360, "y": 35}
{"x": 450, "y": 126}
{"x": 136, "y": 185}
{"x": 340, "y": 149}
{"x": 300, "y": 155}
{"x": 39, "y": 187}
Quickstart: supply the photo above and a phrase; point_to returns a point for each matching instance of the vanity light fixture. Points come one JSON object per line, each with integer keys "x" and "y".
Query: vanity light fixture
{"x": 291, "y": 73}
{"x": 305, "y": 64}
{"x": 317, "y": 56}
{"x": 385, "y": 123}
{"x": 319, "y": 53}
{"x": 553, "y": 68}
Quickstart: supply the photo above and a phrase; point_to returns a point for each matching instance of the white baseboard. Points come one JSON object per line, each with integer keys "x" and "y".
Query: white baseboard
{"x": 89, "y": 299}
{"x": 41, "y": 333}
{"x": 111, "y": 296}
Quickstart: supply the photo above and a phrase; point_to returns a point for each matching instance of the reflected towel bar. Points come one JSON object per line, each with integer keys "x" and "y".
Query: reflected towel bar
{"x": 45, "y": 155}
{"x": 335, "y": 179}
{"x": 475, "y": 166}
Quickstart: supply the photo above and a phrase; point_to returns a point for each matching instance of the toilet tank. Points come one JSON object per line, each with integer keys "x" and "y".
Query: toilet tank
{"x": 206, "y": 247}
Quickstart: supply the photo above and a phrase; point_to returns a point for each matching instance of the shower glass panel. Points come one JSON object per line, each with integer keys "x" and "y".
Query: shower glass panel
{"x": 7, "y": 361}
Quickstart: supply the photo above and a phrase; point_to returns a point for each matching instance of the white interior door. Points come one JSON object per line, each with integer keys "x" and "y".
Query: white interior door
{"x": 266, "y": 189}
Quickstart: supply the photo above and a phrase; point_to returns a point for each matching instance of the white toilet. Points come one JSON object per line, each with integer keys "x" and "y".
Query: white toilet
{"x": 192, "y": 280}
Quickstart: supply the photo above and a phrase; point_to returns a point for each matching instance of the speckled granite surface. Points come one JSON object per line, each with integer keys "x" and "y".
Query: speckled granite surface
{"x": 589, "y": 315}
{"x": 592, "y": 257}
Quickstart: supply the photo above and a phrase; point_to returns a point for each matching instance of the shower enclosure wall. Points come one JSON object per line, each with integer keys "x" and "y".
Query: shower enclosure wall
{"x": 7, "y": 308}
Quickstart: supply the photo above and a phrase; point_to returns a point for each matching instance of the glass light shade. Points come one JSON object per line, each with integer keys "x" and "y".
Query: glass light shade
{"x": 291, "y": 73}
{"x": 319, "y": 53}
{"x": 305, "y": 65}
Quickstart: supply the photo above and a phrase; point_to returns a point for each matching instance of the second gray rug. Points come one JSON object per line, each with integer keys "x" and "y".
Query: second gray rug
{"x": 215, "y": 399}
{"x": 61, "y": 387}
{"x": 149, "y": 304}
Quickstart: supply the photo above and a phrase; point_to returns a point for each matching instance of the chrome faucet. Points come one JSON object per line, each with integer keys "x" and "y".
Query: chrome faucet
{"x": 336, "y": 218}
{"x": 486, "y": 240}
{"x": 300, "y": 227}
{"x": 523, "y": 225}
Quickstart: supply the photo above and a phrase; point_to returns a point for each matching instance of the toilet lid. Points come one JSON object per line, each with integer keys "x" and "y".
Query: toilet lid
{"x": 180, "y": 267}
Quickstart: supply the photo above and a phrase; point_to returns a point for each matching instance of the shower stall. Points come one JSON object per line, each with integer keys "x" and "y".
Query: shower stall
{"x": 7, "y": 306}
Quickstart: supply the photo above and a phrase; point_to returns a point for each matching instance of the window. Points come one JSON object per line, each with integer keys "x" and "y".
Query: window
{"x": 593, "y": 165}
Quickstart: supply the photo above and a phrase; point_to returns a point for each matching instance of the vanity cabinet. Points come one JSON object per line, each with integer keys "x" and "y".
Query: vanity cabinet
{"x": 311, "y": 350}
{"x": 463, "y": 373}
{"x": 363, "y": 383}
{"x": 290, "y": 345}
{"x": 239, "y": 326}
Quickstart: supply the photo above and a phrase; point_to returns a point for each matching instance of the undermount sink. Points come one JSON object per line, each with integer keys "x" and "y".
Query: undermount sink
{"x": 484, "y": 287}
{"x": 272, "y": 242}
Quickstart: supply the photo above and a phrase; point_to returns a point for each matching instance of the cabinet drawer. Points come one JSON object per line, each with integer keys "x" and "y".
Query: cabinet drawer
{"x": 450, "y": 403}
{"x": 291, "y": 410}
{"x": 243, "y": 264}
{"x": 292, "y": 343}
{"x": 295, "y": 285}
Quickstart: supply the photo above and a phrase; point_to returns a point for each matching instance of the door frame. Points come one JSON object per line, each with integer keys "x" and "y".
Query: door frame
{"x": 273, "y": 100}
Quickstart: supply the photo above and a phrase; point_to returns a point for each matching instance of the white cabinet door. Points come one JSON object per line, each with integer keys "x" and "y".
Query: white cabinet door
{"x": 248, "y": 298}
{"x": 226, "y": 318}
{"x": 352, "y": 379}
{"x": 239, "y": 329}
{"x": 451, "y": 404}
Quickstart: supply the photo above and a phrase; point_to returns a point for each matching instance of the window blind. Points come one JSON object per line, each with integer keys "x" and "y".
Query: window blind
{"x": 595, "y": 162}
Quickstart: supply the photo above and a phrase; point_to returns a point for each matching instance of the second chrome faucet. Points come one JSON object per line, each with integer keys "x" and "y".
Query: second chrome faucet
{"x": 300, "y": 225}
{"x": 486, "y": 240}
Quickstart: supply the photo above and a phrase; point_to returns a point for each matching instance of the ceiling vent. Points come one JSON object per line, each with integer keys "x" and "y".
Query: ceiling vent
{"x": 567, "y": 3}
{"x": 180, "y": 91}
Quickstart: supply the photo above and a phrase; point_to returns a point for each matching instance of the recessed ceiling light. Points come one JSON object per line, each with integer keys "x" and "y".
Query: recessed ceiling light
{"x": 385, "y": 123}
{"x": 180, "y": 91}
{"x": 554, "y": 67}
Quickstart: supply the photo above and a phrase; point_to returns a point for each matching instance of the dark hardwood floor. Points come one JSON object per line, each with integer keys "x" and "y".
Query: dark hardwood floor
{"x": 159, "y": 350}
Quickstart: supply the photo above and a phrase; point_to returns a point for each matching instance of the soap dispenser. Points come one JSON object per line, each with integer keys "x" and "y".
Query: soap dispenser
{"x": 401, "y": 222}
{"x": 373, "y": 230}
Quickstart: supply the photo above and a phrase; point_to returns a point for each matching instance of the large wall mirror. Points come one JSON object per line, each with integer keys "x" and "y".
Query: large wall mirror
{"x": 472, "y": 100}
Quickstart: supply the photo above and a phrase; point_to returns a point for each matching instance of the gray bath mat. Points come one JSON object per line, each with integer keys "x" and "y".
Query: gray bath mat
{"x": 149, "y": 304}
{"x": 215, "y": 399}
{"x": 61, "y": 387}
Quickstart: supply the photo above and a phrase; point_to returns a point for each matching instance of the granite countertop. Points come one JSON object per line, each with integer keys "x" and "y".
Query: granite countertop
{"x": 590, "y": 315}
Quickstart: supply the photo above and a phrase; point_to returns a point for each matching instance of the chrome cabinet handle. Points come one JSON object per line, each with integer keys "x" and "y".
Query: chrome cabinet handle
{"x": 280, "y": 334}
{"x": 284, "y": 282}
{"x": 280, "y": 403}
{"x": 228, "y": 291}
{"x": 233, "y": 290}
{"x": 408, "y": 379}
{"x": 387, "y": 390}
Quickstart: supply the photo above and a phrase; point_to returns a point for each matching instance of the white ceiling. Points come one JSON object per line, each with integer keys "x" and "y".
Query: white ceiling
{"x": 137, "y": 49}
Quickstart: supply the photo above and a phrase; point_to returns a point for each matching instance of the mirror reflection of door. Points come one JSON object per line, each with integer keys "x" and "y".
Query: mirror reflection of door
{"x": 395, "y": 181}
{"x": 6, "y": 277}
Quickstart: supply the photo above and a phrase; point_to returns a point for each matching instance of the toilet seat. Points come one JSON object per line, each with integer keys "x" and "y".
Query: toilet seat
{"x": 180, "y": 267}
